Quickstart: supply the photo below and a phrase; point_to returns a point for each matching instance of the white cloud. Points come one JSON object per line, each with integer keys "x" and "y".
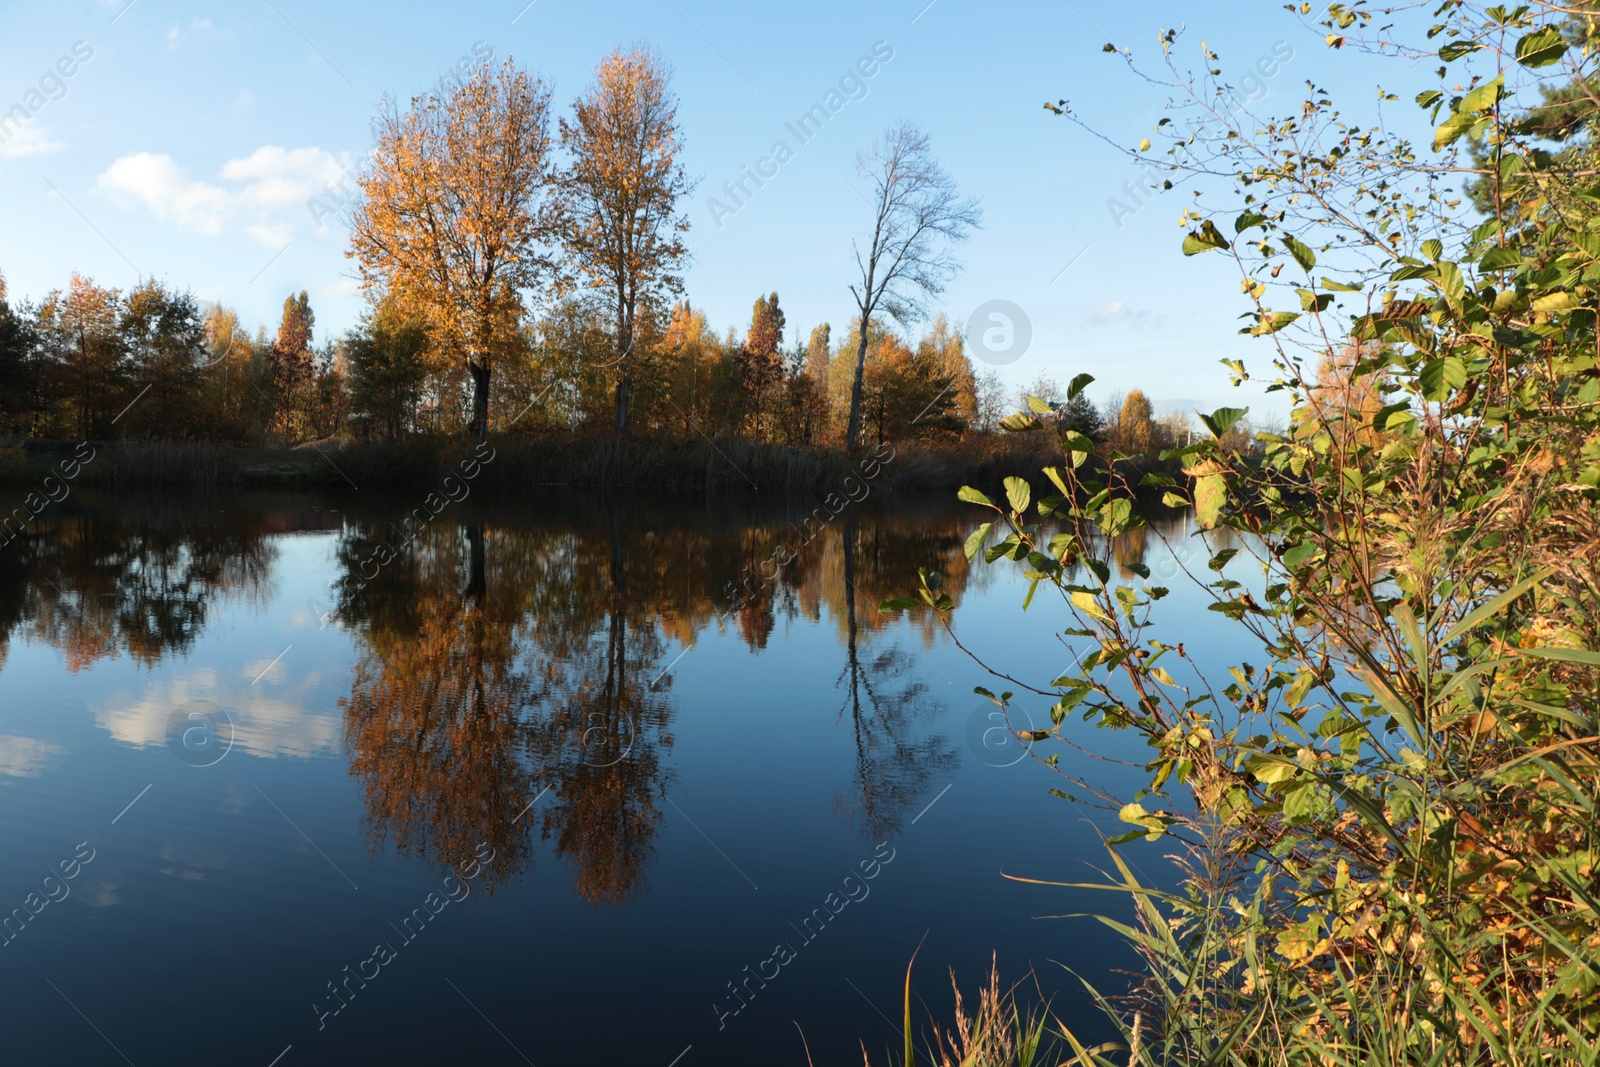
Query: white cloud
{"x": 24, "y": 757}
{"x": 1120, "y": 313}
{"x": 170, "y": 194}
{"x": 263, "y": 194}
{"x": 29, "y": 139}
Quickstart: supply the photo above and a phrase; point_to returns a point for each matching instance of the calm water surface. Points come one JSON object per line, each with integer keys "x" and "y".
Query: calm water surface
{"x": 286, "y": 777}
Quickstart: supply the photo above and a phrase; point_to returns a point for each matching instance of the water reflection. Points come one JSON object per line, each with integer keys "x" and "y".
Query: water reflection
{"x": 98, "y": 580}
{"x": 514, "y": 675}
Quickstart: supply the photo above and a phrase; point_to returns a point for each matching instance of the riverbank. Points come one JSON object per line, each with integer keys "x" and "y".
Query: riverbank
{"x": 723, "y": 465}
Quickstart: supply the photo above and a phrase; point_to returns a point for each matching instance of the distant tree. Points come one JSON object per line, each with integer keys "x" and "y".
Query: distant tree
{"x": 944, "y": 348}
{"x": 83, "y": 344}
{"x": 20, "y": 377}
{"x": 907, "y": 394}
{"x": 166, "y": 347}
{"x": 291, "y": 362}
{"x": 238, "y": 376}
{"x": 819, "y": 353}
{"x": 619, "y": 197}
{"x": 917, "y": 217}
{"x": 1045, "y": 388}
{"x": 454, "y": 220}
{"x": 1135, "y": 425}
{"x": 329, "y": 399}
{"x": 761, "y": 367}
{"x": 989, "y": 401}
{"x": 1080, "y": 415}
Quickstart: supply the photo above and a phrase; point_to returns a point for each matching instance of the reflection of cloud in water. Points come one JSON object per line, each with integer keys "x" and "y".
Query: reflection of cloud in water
{"x": 24, "y": 757}
{"x": 191, "y": 864}
{"x": 265, "y": 723}
{"x": 100, "y": 894}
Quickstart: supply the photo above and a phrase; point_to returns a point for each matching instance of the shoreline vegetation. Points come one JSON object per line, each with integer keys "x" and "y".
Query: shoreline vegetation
{"x": 1380, "y": 821}
{"x": 722, "y": 465}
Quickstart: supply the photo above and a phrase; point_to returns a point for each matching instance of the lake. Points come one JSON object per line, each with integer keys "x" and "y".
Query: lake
{"x": 575, "y": 779}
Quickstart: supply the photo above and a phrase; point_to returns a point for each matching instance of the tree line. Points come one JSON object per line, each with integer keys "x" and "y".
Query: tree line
{"x": 523, "y": 270}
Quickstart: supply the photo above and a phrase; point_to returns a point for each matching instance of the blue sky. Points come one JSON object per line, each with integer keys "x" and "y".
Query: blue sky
{"x": 188, "y": 145}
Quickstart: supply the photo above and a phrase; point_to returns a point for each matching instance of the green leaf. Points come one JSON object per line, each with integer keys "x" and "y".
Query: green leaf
{"x": 1559, "y": 301}
{"x": 1206, "y": 238}
{"x": 1565, "y": 655}
{"x": 898, "y": 603}
{"x": 1302, "y": 253}
{"x": 1433, "y": 248}
{"x": 1019, "y": 423}
{"x": 1484, "y": 96}
{"x": 1086, "y": 603}
{"x": 1381, "y": 419}
{"x": 1314, "y": 302}
{"x": 1210, "y": 494}
{"x": 1500, "y": 259}
{"x": 1494, "y": 606}
{"x": 1453, "y": 285}
{"x": 1340, "y": 287}
{"x": 1440, "y": 377}
{"x": 1040, "y": 407}
{"x": 972, "y": 496}
{"x": 1299, "y": 688}
{"x": 1453, "y": 129}
{"x": 1074, "y": 441}
{"x": 976, "y": 539}
{"x": 1272, "y": 322}
{"x": 1222, "y": 420}
{"x": 1174, "y": 500}
{"x": 1018, "y": 493}
{"x": 1271, "y": 770}
{"x": 1078, "y": 384}
{"x": 1541, "y": 48}
{"x": 1248, "y": 220}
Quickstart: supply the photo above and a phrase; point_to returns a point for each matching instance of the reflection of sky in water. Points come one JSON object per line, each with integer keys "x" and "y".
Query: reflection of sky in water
{"x": 482, "y": 690}
{"x": 24, "y": 757}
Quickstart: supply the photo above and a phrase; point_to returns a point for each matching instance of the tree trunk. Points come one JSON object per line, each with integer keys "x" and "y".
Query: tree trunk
{"x": 624, "y": 396}
{"x": 480, "y": 399}
{"x": 855, "y": 390}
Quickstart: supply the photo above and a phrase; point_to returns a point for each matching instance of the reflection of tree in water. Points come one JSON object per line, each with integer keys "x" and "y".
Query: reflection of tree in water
{"x": 500, "y": 663}
{"x": 894, "y": 766}
{"x": 496, "y": 665}
{"x": 601, "y": 746}
{"x": 99, "y": 581}
{"x": 433, "y": 718}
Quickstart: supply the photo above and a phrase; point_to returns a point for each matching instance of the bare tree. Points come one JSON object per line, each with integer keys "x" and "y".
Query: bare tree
{"x": 455, "y": 219}
{"x": 620, "y": 194}
{"x": 918, "y": 217}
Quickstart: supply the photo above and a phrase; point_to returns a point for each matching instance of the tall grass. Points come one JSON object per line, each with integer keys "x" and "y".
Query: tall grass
{"x": 170, "y": 464}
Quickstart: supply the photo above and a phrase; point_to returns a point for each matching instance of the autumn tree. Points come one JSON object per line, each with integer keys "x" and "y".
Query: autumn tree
{"x": 82, "y": 338}
{"x": 761, "y": 367}
{"x": 619, "y": 197}
{"x": 238, "y": 375}
{"x": 456, "y": 217}
{"x": 291, "y": 362}
{"x": 918, "y": 216}
{"x": 1134, "y": 431}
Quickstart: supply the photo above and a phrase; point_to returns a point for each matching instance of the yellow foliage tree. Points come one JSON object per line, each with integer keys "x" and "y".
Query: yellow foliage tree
{"x": 455, "y": 214}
